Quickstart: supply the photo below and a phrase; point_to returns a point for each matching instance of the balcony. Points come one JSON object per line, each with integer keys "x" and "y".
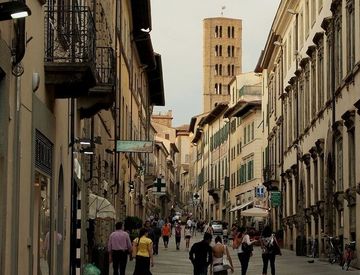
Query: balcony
{"x": 70, "y": 51}
{"x": 214, "y": 191}
{"x": 102, "y": 95}
{"x": 74, "y": 66}
{"x": 269, "y": 175}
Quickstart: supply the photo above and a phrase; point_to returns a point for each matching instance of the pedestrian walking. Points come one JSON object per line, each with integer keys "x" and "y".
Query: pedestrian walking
{"x": 200, "y": 255}
{"x": 143, "y": 253}
{"x": 177, "y": 235}
{"x": 233, "y": 233}
{"x": 187, "y": 234}
{"x": 193, "y": 227}
{"x": 270, "y": 248}
{"x": 166, "y": 233}
{"x": 219, "y": 251}
{"x": 119, "y": 247}
{"x": 243, "y": 245}
{"x": 157, "y": 234}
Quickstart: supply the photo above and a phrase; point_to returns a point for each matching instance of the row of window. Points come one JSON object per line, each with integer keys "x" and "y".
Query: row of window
{"x": 219, "y": 137}
{"x": 218, "y": 89}
{"x": 218, "y": 70}
{"x": 314, "y": 82}
{"x": 219, "y": 30}
{"x": 230, "y": 51}
{"x": 244, "y": 174}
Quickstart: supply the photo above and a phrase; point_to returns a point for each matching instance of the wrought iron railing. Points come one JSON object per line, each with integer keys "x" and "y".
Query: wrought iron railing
{"x": 269, "y": 172}
{"x": 69, "y": 35}
{"x": 105, "y": 65}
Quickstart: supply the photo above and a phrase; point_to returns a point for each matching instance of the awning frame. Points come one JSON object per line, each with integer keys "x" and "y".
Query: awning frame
{"x": 241, "y": 206}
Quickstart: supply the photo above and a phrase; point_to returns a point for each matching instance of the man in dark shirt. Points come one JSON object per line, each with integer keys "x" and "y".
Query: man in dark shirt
{"x": 201, "y": 255}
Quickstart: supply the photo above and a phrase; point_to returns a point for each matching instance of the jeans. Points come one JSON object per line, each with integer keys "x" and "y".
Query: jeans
{"x": 244, "y": 261}
{"x": 266, "y": 258}
{"x": 119, "y": 258}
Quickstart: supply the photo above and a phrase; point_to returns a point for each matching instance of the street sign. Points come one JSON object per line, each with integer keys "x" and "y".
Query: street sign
{"x": 260, "y": 191}
{"x": 159, "y": 186}
{"x": 275, "y": 198}
{"x": 137, "y": 146}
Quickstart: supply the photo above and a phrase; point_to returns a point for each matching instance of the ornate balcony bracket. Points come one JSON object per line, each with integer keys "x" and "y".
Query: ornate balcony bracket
{"x": 293, "y": 170}
{"x": 339, "y": 200}
{"x": 314, "y": 211}
{"x": 337, "y": 127}
{"x": 320, "y": 146}
{"x": 313, "y": 152}
{"x": 349, "y": 119}
{"x": 321, "y": 208}
{"x": 357, "y": 105}
{"x": 306, "y": 159}
{"x": 350, "y": 196}
{"x": 307, "y": 213}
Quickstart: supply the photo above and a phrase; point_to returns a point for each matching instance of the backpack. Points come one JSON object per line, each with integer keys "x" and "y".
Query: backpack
{"x": 178, "y": 230}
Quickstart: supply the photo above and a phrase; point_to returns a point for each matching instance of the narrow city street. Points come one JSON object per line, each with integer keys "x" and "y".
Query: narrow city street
{"x": 173, "y": 262}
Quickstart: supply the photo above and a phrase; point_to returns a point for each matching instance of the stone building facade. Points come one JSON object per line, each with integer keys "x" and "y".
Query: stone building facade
{"x": 65, "y": 99}
{"x": 222, "y": 58}
{"x": 310, "y": 64}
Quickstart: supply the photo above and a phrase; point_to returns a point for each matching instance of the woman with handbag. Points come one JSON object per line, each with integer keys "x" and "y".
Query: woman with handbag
{"x": 143, "y": 253}
{"x": 244, "y": 249}
{"x": 221, "y": 258}
{"x": 270, "y": 248}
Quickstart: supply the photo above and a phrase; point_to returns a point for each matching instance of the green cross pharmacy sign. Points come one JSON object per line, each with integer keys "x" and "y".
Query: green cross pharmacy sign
{"x": 159, "y": 186}
{"x": 275, "y": 198}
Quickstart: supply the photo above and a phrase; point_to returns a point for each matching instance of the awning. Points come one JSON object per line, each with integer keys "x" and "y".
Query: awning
{"x": 254, "y": 212}
{"x": 100, "y": 207}
{"x": 239, "y": 207}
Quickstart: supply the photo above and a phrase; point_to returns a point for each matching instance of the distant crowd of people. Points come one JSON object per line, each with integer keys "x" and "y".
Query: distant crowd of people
{"x": 204, "y": 257}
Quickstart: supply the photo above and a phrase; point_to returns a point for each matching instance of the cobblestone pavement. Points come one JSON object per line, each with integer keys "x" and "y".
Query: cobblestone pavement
{"x": 176, "y": 262}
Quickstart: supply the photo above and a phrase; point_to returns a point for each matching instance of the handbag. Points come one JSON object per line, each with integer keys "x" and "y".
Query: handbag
{"x": 226, "y": 263}
{"x": 247, "y": 248}
{"x": 225, "y": 260}
{"x": 273, "y": 247}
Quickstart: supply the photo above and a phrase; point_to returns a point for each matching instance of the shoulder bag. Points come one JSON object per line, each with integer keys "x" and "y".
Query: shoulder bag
{"x": 225, "y": 260}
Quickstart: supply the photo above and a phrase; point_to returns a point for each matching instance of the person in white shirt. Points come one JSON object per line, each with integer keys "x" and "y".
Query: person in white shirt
{"x": 243, "y": 239}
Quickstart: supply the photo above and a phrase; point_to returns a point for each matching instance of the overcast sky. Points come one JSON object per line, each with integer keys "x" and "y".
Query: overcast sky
{"x": 177, "y": 35}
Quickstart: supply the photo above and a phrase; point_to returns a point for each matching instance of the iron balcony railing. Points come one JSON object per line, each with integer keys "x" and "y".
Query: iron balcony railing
{"x": 269, "y": 172}
{"x": 105, "y": 65}
{"x": 69, "y": 35}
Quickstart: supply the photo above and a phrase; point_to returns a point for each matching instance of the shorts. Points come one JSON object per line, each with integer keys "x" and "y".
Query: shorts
{"x": 188, "y": 237}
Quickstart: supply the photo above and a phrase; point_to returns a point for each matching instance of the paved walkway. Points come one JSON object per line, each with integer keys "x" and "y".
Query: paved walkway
{"x": 176, "y": 262}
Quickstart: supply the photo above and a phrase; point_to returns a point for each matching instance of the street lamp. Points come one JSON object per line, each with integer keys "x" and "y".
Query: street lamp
{"x": 13, "y": 10}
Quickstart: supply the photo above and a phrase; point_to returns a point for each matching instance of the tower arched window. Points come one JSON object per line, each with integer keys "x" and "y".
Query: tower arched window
{"x": 216, "y": 88}
{"x": 228, "y": 51}
{"x": 229, "y": 32}
{"x": 232, "y": 32}
{"x": 220, "y": 31}
{"x": 228, "y": 69}
{"x": 232, "y": 70}
{"x": 216, "y": 50}
{"x": 232, "y": 51}
{"x": 216, "y": 31}
{"x": 216, "y": 69}
{"x": 220, "y": 50}
{"x": 220, "y": 69}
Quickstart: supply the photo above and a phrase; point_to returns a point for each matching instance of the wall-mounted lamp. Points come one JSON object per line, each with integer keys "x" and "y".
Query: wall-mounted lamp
{"x": 88, "y": 141}
{"x": 87, "y": 150}
{"x": 13, "y": 10}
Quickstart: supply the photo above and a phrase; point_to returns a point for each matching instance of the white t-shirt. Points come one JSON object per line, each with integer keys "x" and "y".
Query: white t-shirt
{"x": 245, "y": 239}
{"x": 189, "y": 222}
